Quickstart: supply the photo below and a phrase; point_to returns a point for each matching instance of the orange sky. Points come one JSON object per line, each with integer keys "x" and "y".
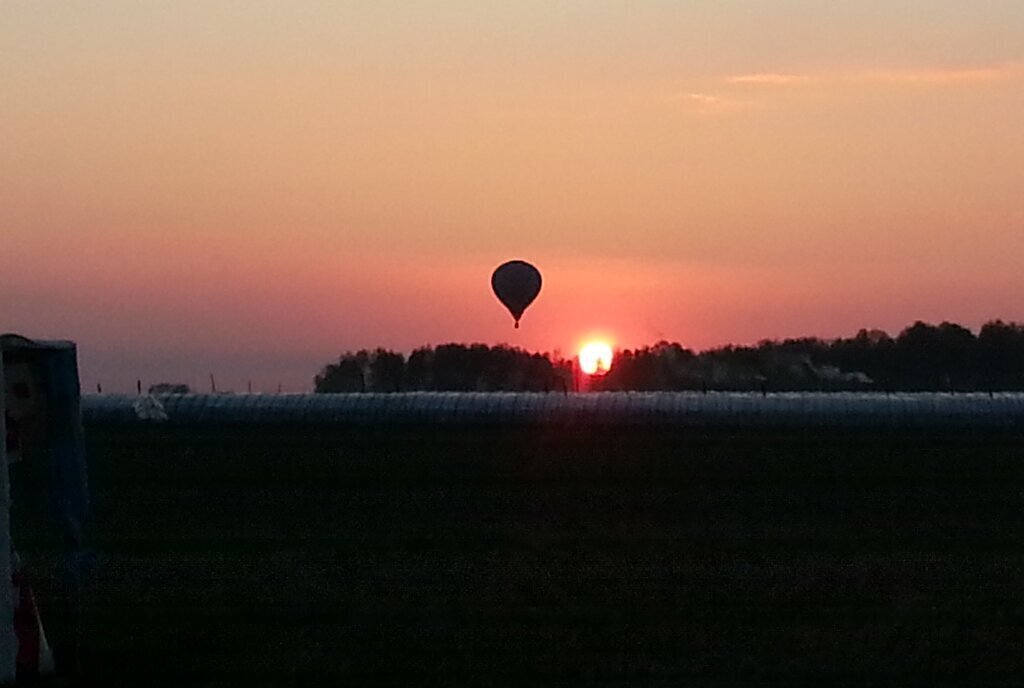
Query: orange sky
{"x": 249, "y": 188}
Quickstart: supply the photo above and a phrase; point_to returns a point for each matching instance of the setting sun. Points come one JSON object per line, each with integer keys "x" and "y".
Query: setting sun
{"x": 595, "y": 358}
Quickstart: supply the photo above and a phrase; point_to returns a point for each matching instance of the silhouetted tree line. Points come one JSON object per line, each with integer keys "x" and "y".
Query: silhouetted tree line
{"x": 923, "y": 357}
{"x": 449, "y": 367}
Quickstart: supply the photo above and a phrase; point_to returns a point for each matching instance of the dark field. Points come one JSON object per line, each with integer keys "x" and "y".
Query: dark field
{"x": 481, "y": 557}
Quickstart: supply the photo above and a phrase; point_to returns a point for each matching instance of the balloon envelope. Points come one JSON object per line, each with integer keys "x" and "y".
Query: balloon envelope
{"x": 516, "y": 284}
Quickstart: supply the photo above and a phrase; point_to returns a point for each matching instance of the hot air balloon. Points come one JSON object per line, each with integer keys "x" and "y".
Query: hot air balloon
{"x": 516, "y": 284}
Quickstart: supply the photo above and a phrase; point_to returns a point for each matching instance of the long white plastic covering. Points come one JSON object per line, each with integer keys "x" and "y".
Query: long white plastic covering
{"x": 662, "y": 409}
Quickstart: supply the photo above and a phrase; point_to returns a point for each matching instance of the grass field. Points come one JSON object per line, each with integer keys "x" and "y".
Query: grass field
{"x": 476, "y": 557}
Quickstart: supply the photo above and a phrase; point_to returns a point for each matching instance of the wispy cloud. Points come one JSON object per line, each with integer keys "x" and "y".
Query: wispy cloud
{"x": 704, "y": 98}
{"x": 712, "y": 103}
{"x": 738, "y": 93}
{"x": 771, "y": 79}
{"x": 945, "y": 76}
{"x": 936, "y": 77}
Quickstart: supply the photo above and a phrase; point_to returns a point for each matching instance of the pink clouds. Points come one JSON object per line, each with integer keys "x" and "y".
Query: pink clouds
{"x": 933, "y": 76}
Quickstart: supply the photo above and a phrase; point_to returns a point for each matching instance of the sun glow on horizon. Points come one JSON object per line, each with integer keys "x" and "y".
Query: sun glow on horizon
{"x": 595, "y": 358}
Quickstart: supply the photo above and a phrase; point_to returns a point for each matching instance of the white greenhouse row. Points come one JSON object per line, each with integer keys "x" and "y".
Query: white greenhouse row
{"x": 663, "y": 409}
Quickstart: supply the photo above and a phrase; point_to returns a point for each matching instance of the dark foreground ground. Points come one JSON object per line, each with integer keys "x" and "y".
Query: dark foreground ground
{"x": 277, "y": 557}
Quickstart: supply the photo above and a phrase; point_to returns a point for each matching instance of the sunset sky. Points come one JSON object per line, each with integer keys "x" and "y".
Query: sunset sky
{"x": 250, "y": 188}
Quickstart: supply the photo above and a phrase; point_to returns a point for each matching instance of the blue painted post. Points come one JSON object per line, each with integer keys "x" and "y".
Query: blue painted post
{"x": 46, "y": 399}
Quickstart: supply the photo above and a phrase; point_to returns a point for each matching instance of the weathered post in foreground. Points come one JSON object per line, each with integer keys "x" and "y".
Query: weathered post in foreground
{"x": 44, "y": 431}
